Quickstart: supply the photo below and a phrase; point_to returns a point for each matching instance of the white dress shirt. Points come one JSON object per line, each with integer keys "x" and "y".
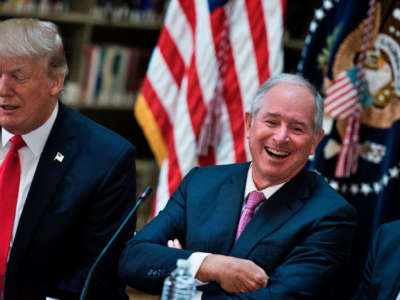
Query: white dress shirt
{"x": 196, "y": 259}
{"x": 29, "y": 156}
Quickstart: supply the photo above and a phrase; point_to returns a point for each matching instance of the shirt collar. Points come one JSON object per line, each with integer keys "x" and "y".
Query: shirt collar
{"x": 250, "y": 186}
{"x": 36, "y": 139}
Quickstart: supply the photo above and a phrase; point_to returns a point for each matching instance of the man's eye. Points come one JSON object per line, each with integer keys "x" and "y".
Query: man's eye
{"x": 271, "y": 122}
{"x": 19, "y": 76}
{"x": 298, "y": 129}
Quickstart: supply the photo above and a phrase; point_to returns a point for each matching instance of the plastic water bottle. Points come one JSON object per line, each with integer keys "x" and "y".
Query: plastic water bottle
{"x": 180, "y": 284}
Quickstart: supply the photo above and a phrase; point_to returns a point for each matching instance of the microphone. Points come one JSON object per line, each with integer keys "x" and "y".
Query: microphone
{"x": 141, "y": 198}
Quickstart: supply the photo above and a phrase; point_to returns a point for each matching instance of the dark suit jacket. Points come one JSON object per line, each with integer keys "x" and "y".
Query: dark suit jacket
{"x": 72, "y": 209}
{"x": 381, "y": 275}
{"x": 300, "y": 236}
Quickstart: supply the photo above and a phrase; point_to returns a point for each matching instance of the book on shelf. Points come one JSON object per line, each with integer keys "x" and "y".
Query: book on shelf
{"x": 35, "y": 6}
{"x": 130, "y": 10}
{"x": 113, "y": 74}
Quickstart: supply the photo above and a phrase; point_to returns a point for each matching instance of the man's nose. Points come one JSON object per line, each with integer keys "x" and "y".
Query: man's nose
{"x": 281, "y": 134}
{"x": 5, "y": 87}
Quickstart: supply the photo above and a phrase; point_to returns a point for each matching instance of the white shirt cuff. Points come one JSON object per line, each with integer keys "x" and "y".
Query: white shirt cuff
{"x": 196, "y": 259}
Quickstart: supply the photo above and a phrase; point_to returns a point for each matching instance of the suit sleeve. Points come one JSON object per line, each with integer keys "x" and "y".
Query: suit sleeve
{"x": 146, "y": 260}
{"x": 110, "y": 202}
{"x": 315, "y": 261}
{"x": 366, "y": 277}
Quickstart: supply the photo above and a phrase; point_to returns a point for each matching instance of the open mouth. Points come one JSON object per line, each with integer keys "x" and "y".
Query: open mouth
{"x": 8, "y": 107}
{"x": 276, "y": 153}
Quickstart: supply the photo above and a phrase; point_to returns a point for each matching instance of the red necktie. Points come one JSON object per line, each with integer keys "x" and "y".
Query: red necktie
{"x": 253, "y": 201}
{"x": 10, "y": 172}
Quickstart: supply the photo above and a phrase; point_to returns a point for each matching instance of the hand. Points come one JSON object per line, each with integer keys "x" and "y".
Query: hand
{"x": 234, "y": 275}
{"x": 174, "y": 244}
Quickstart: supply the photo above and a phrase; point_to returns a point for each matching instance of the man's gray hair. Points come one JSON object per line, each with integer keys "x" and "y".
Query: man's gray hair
{"x": 295, "y": 79}
{"x": 32, "y": 38}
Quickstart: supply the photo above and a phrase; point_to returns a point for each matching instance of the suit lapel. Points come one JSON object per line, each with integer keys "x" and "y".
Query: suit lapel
{"x": 47, "y": 178}
{"x": 273, "y": 213}
{"x": 227, "y": 211}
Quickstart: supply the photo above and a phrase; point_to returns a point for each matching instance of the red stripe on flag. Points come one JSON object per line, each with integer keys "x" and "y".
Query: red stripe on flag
{"x": 342, "y": 104}
{"x": 157, "y": 108}
{"x": 231, "y": 90}
{"x": 196, "y": 105}
{"x": 255, "y": 15}
{"x": 338, "y": 97}
{"x": 168, "y": 49}
{"x": 189, "y": 9}
{"x": 283, "y": 5}
{"x": 174, "y": 170}
{"x": 338, "y": 94}
{"x": 233, "y": 101}
{"x": 167, "y": 131}
{"x": 337, "y": 85}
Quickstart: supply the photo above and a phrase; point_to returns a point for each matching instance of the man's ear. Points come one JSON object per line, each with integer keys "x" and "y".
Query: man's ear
{"x": 316, "y": 141}
{"x": 57, "y": 84}
{"x": 247, "y": 122}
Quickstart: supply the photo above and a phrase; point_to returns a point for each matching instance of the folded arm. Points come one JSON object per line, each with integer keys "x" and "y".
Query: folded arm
{"x": 234, "y": 275}
{"x": 309, "y": 269}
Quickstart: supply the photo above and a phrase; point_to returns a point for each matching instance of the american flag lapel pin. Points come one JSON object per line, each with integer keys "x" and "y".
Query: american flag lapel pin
{"x": 59, "y": 157}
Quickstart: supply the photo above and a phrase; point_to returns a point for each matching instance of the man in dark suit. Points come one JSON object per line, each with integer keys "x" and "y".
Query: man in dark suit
{"x": 76, "y": 179}
{"x": 298, "y": 240}
{"x": 381, "y": 275}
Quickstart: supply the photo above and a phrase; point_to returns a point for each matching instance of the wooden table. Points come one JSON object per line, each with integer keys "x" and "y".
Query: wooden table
{"x": 135, "y": 294}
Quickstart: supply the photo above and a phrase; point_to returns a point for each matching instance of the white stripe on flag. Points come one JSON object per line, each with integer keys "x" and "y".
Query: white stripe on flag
{"x": 162, "y": 194}
{"x": 273, "y": 16}
{"x": 225, "y": 152}
{"x": 206, "y": 62}
{"x": 243, "y": 52}
{"x": 185, "y": 142}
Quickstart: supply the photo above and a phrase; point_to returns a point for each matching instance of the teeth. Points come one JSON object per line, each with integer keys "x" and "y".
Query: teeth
{"x": 277, "y": 153}
{"x": 8, "y": 106}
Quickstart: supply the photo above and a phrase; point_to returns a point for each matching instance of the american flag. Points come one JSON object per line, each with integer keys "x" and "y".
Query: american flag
{"x": 341, "y": 100}
{"x": 210, "y": 59}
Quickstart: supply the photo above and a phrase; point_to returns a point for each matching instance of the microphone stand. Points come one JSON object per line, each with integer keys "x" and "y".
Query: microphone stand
{"x": 142, "y": 197}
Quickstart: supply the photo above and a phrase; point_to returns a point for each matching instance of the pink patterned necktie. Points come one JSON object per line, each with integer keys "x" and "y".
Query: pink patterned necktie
{"x": 10, "y": 173}
{"x": 253, "y": 201}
